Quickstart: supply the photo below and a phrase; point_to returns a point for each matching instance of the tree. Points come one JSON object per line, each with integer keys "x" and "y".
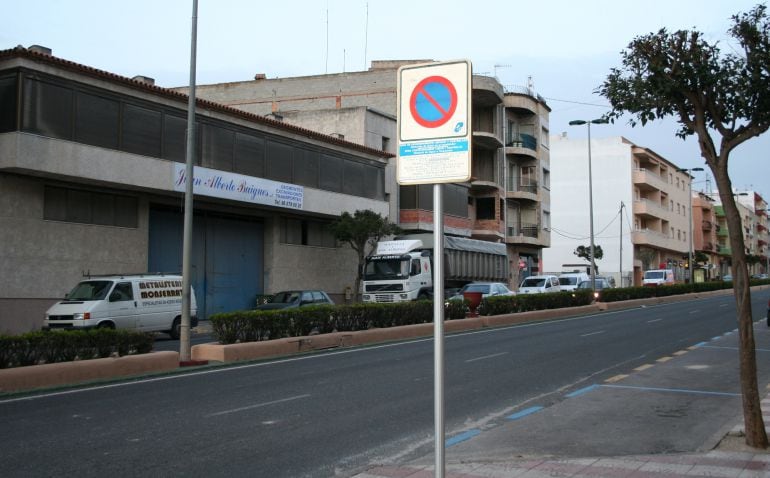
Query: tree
{"x": 584, "y": 252}
{"x": 723, "y": 100}
{"x": 362, "y": 230}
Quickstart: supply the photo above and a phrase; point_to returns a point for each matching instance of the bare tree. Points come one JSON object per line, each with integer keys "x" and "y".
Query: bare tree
{"x": 723, "y": 99}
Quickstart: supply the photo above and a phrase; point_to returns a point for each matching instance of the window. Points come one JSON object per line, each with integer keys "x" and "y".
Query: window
{"x": 87, "y": 207}
{"x": 7, "y": 104}
{"x": 96, "y": 120}
{"x": 174, "y": 138}
{"x": 485, "y": 208}
{"x": 374, "y": 182}
{"x": 306, "y": 167}
{"x": 279, "y": 164}
{"x": 249, "y": 155}
{"x": 546, "y": 220}
{"x": 527, "y": 175}
{"x": 331, "y": 173}
{"x": 47, "y": 109}
{"x": 546, "y": 179}
{"x": 122, "y": 292}
{"x": 353, "y": 180}
{"x": 217, "y": 147}
{"x": 385, "y": 143}
{"x": 141, "y": 130}
{"x": 306, "y": 233}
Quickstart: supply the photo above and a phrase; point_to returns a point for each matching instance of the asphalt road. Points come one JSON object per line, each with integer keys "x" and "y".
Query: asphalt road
{"x": 334, "y": 413}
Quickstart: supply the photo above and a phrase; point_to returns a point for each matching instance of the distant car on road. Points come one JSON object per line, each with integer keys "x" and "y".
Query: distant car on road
{"x": 727, "y": 278}
{"x": 487, "y": 289}
{"x": 296, "y": 298}
{"x": 601, "y": 283}
{"x": 540, "y": 284}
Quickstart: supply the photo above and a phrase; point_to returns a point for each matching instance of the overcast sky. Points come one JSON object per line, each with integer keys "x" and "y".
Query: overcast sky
{"x": 566, "y": 47}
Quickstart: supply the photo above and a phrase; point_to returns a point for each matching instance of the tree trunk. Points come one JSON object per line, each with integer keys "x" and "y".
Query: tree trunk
{"x": 756, "y": 436}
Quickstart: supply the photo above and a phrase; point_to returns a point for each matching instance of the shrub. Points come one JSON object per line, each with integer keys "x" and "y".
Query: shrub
{"x": 67, "y": 345}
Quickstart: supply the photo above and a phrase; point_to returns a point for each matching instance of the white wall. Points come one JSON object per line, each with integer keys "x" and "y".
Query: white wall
{"x": 612, "y": 167}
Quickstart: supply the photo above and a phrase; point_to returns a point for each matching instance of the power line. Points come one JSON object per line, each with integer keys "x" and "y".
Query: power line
{"x": 578, "y": 102}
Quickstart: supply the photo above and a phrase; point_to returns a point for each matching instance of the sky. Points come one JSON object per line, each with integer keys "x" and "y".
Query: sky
{"x": 564, "y": 48}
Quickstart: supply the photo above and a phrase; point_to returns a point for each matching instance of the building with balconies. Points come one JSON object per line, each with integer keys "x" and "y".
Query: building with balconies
{"x": 705, "y": 244}
{"x": 625, "y": 177}
{"x": 507, "y": 199}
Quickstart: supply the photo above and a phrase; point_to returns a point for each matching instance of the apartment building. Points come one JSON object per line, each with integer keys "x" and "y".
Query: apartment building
{"x": 508, "y": 197}
{"x": 91, "y": 182}
{"x": 752, "y": 208}
{"x": 640, "y": 206}
{"x": 705, "y": 243}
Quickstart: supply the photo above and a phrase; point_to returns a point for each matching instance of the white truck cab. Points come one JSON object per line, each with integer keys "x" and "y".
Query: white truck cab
{"x": 143, "y": 302}
{"x": 398, "y": 271}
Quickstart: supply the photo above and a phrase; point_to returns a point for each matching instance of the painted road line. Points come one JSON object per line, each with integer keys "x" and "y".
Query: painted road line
{"x": 257, "y": 405}
{"x": 485, "y": 357}
{"x": 616, "y": 378}
{"x": 581, "y": 391}
{"x": 654, "y": 320}
{"x": 593, "y": 333}
{"x": 680, "y": 352}
{"x": 461, "y": 437}
{"x": 694, "y": 312}
{"x": 675, "y": 390}
{"x": 700, "y": 344}
{"x": 664, "y": 359}
{"x": 524, "y": 413}
{"x": 644, "y": 367}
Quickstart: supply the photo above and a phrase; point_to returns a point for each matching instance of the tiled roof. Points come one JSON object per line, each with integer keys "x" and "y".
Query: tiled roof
{"x": 21, "y": 52}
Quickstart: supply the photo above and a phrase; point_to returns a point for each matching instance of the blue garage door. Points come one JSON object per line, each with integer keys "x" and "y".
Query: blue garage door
{"x": 227, "y": 262}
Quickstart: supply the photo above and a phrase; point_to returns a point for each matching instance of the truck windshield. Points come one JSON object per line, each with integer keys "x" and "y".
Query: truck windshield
{"x": 380, "y": 268}
{"x": 90, "y": 290}
{"x": 653, "y": 275}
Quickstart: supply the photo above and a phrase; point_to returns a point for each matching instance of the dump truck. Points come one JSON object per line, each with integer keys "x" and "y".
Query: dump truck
{"x": 402, "y": 269}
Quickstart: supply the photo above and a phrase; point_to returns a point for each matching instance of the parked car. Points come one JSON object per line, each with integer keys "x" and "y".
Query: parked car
{"x": 487, "y": 289}
{"x": 570, "y": 280}
{"x": 656, "y": 277}
{"x": 296, "y": 298}
{"x": 759, "y": 276}
{"x": 600, "y": 282}
{"x": 728, "y": 278}
{"x": 540, "y": 284}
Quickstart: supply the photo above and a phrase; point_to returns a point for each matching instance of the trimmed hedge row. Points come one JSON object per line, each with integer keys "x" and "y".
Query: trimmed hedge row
{"x": 40, "y": 347}
{"x": 258, "y": 325}
{"x": 629, "y": 293}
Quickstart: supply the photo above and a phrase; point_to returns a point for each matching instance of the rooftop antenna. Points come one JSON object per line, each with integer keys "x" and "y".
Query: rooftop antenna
{"x": 500, "y": 66}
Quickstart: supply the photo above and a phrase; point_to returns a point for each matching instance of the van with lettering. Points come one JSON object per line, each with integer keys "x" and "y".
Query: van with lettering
{"x": 150, "y": 303}
{"x": 656, "y": 277}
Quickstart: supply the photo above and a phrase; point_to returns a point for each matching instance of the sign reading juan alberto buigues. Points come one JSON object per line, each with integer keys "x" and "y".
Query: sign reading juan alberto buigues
{"x": 220, "y": 184}
{"x": 434, "y": 123}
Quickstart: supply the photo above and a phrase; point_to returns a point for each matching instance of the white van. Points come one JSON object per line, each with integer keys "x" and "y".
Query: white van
{"x": 570, "y": 280}
{"x": 143, "y": 302}
{"x": 656, "y": 277}
{"x": 539, "y": 284}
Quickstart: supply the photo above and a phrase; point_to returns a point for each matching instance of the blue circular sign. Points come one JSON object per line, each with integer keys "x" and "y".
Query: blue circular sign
{"x": 433, "y": 101}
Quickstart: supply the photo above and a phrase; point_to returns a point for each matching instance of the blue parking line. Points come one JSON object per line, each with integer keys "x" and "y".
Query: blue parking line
{"x": 581, "y": 391}
{"x": 701, "y": 344}
{"x": 461, "y": 437}
{"x": 524, "y": 413}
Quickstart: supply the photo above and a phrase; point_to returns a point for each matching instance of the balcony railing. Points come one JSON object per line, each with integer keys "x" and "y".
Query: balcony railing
{"x": 522, "y": 141}
{"x": 524, "y": 229}
{"x": 514, "y": 187}
{"x": 706, "y": 225}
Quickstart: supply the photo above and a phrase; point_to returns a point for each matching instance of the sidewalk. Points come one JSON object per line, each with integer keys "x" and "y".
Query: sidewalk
{"x": 680, "y": 416}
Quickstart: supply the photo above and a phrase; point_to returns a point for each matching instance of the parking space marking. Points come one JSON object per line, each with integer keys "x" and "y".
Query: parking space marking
{"x": 675, "y": 390}
{"x": 654, "y": 320}
{"x": 524, "y": 413}
{"x": 593, "y": 333}
{"x": 664, "y": 359}
{"x": 616, "y": 378}
{"x": 643, "y": 367}
{"x": 680, "y": 352}
{"x": 461, "y": 437}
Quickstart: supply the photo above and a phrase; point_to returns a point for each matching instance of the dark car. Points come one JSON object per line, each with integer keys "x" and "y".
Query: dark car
{"x": 296, "y": 298}
{"x": 601, "y": 283}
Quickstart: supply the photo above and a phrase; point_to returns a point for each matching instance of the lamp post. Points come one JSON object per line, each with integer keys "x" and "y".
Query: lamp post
{"x": 689, "y": 248}
{"x": 590, "y": 192}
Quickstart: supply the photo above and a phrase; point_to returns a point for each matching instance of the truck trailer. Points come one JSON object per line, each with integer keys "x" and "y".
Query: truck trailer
{"x": 402, "y": 269}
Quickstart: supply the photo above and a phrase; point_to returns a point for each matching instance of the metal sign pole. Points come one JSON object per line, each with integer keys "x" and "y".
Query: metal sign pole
{"x": 438, "y": 326}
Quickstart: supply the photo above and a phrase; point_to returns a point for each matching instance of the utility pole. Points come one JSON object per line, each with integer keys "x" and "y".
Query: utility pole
{"x": 621, "y": 243}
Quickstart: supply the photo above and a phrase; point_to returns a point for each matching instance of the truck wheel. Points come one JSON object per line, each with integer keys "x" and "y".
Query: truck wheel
{"x": 176, "y": 329}
{"x": 106, "y": 325}
{"x": 423, "y": 296}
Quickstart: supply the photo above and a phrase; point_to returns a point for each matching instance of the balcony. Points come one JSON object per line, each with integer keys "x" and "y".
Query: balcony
{"x": 706, "y": 225}
{"x": 647, "y": 208}
{"x": 724, "y": 250}
{"x": 486, "y": 140}
{"x": 518, "y": 191}
{"x": 527, "y": 234}
{"x": 649, "y": 237}
{"x": 648, "y": 180}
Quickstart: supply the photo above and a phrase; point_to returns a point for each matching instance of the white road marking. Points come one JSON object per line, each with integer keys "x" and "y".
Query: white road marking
{"x": 485, "y": 357}
{"x": 593, "y": 333}
{"x": 257, "y": 405}
{"x": 654, "y": 320}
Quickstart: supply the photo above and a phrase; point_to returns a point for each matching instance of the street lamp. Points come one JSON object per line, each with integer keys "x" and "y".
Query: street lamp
{"x": 590, "y": 192}
{"x": 689, "y": 249}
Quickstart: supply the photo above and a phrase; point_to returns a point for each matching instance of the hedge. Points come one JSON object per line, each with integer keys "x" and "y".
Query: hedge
{"x": 258, "y": 325}
{"x": 629, "y": 293}
{"x": 40, "y": 347}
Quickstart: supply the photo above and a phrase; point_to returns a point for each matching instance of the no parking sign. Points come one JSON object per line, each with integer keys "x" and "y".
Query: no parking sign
{"x": 434, "y": 130}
